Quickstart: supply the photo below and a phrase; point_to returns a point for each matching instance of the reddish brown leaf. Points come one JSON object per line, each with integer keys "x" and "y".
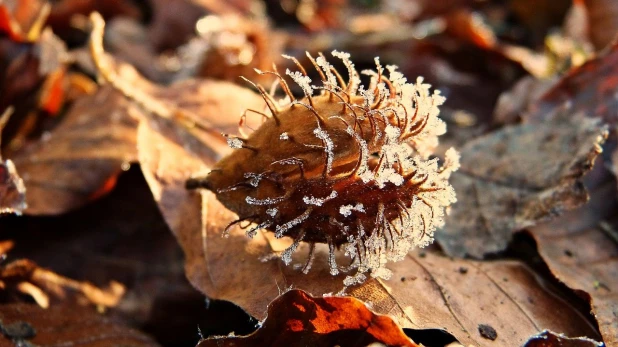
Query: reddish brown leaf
{"x": 552, "y": 339}
{"x": 298, "y": 319}
{"x": 34, "y": 81}
{"x": 470, "y": 27}
{"x": 22, "y": 20}
{"x": 25, "y": 324}
{"x": 517, "y": 177}
{"x": 603, "y": 21}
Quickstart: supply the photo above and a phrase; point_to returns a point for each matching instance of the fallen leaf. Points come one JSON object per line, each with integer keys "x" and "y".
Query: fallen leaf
{"x": 173, "y": 22}
{"x": 513, "y": 102}
{"x": 588, "y": 90}
{"x": 602, "y": 21}
{"x": 170, "y": 152}
{"x": 70, "y": 165}
{"x": 121, "y": 237}
{"x": 551, "y": 339}
{"x": 298, "y": 319}
{"x": 26, "y": 324}
{"x": 34, "y": 84}
{"x": 516, "y": 177}
{"x": 469, "y": 26}
{"x": 581, "y": 250}
{"x": 68, "y": 17}
{"x": 46, "y": 287}
{"x": 427, "y": 290}
{"x": 23, "y": 20}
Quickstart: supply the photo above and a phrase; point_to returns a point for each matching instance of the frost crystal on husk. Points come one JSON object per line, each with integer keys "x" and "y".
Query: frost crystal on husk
{"x": 346, "y": 165}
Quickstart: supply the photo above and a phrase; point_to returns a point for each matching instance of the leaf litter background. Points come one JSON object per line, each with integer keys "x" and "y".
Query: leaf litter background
{"x": 112, "y": 249}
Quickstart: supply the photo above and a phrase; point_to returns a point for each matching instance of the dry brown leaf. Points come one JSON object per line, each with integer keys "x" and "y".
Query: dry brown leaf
{"x": 79, "y": 159}
{"x": 587, "y": 90}
{"x": 581, "y": 250}
{"x": 515, "y": 177}
{"x": 603, "y": 21}
{"x": 26, "y": 325}
{"x": 173, "y": 22}
{"x": 469, "y": 27}
{"x": 436, "y": 292}
{"x": 552, "y": 339}
{"x": 23, "y": 20}
{"x": 120, "y": 237}
{"x": 33, "y": 83}
{"x": 298, "y": 319}
{"x": 230, "y": 268}
{"x": 67, "y": 17}
{"x": 46, "y": 287}
{"x": 170, "y": 154}
{"x": 513, "y": 102}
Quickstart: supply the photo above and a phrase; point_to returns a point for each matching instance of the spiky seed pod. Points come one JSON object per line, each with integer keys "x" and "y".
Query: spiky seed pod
{"x": 345, "y": 165}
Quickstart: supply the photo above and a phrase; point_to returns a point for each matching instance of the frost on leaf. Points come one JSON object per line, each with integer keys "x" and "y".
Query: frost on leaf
{"x": 352, "y": 171}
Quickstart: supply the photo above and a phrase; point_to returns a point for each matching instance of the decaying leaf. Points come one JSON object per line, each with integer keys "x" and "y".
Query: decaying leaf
{"x": 30, "y": 325}
{"x": 427, "y": 290}
{"x": 121, "y": 237}
{"x": 513, "y": 102}
{"x": 581, "y": 250}
{"x": 551, "y": 339}
{"x": 588, "y": 90}
{"x": 80, "y": 158}
{"x": 298, "y": 319}
{"x": 169, "y": 152}
{"x": 514, "y": 178}
{"x": 602, "y": 21}
{"x": 46, "y": 287}
{"x": 23, "y": 20}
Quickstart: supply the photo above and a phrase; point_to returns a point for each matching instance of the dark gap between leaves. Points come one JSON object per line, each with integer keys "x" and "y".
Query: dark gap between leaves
{"x": 430, "y": 337}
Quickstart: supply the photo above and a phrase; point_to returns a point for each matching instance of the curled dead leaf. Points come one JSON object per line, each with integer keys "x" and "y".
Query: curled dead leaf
{"x": 75, "y": 162}
{"x": 298, "y": 319}
{"x": 581, "y": 250}
{"x": 46, "y": 287}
